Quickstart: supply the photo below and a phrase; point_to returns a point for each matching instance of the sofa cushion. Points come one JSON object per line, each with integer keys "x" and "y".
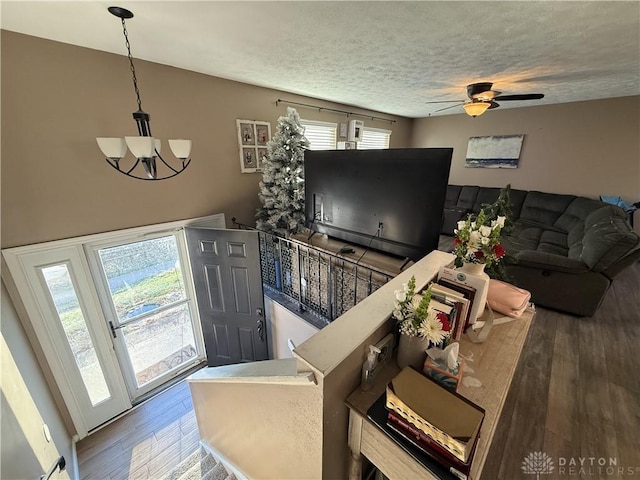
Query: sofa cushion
{"x": 604, "y": 213}
{"x": 554, "y": 238}
{"x": 551, "y": 248}
{"x": 544, "y": 208}
{"x": 467, "y": 197}
{"x": 486, "y": 196}
{"x": 517, "y": 198}
{"x": 522, "y": 239}
{"x": 577, "y": 212}
{"x": 550, "y": 261}
{"x": 606, "y": 242}
{"x": 451, "y": 197}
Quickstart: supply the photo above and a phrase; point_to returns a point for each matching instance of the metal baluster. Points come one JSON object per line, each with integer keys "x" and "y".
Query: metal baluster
{"x": 299, "y": 272}
{"x": 355, "y": 287}
{"x": 319, "y": 284}
{"x": 330, "y": 289}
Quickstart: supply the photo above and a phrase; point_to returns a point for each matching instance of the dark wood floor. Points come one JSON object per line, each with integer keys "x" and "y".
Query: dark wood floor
{"x": 576, "y": 392}
{"x": 145, "y": 443}
{"x": 575, "y": 395}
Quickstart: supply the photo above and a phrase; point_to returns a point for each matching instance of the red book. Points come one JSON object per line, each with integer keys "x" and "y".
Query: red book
{"x": 419, "y": 439}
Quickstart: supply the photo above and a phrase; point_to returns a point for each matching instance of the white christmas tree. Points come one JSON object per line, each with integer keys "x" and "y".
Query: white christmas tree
{"x": 282, "y": 186}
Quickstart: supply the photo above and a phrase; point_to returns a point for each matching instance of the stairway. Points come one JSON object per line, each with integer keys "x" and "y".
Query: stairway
{"x": 200, "y": 465}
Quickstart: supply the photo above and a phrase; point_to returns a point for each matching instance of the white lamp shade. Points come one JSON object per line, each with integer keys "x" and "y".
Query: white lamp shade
{"x": 474, "y": 109}
{"x": 141, "y": 147}
{"x": 157, "y": 145}
{"x": 112, "y": 147}
{"x": 180, "y": 148}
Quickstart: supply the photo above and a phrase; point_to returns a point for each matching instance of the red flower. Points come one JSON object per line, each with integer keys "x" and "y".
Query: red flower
{"x": 499, "y": 250}
{"x": 446, "y": 326}
{"x": 479, "y": 254}
{"x": 456, "y": 242}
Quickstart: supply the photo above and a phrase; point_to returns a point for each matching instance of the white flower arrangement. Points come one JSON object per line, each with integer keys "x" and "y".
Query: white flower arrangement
{"x": 477, "y": 242}
{"x": 414, "y": 318}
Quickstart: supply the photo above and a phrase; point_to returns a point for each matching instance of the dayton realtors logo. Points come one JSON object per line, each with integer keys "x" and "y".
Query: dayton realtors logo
{"x": 537, "y": 463}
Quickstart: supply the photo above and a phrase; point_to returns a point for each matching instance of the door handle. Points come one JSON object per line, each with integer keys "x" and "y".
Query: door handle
{"x": 260, "y": 323}
{"x": 114, "y": 328}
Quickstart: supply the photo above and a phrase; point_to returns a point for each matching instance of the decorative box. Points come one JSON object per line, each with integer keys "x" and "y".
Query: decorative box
{"x": 442, "y": 374}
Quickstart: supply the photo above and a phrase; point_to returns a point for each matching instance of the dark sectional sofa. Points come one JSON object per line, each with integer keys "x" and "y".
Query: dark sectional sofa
{"x": 564, "y": 249}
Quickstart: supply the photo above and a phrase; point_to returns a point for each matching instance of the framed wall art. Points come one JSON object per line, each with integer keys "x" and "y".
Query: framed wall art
{"x": 252, "y": 144}
{"x": 495, "y": 151}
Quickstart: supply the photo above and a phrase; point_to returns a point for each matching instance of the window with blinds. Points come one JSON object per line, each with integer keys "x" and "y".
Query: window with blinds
{"x": 374, "y": 138}
{"x": 321, "y": 135}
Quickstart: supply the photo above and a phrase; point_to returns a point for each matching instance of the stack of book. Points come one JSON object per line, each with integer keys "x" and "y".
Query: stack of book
{"x": 441, "y": 423}
{"x": 460, "y": 295}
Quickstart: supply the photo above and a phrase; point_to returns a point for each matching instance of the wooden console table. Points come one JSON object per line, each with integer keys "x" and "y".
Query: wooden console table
{"x": 493, "y": 363}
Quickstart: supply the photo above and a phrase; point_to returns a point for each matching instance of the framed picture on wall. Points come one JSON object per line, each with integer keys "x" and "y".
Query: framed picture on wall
{"x": 263, "y": 133}
{"x": 252, "y": 141}
{"x": 262, "y": 154}
{"x": 495, "y": 151}
{"x": 247, "y": 133}
{"x": 249, "y": 159}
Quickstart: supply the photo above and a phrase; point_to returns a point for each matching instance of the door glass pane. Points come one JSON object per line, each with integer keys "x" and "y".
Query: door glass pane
{"x": 143, "y": 276}
{"x": 149, "y": 296}
{"x": 65, "y": 299}
{"x": 160, "y": 343}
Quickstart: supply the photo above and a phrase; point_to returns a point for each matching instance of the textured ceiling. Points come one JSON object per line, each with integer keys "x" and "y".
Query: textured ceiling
{"x": 386, "y": 56}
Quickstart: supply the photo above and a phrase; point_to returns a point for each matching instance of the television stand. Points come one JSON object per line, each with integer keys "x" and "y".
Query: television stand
{"x": 406, "y": 262}
{"x": 383, "y": 262}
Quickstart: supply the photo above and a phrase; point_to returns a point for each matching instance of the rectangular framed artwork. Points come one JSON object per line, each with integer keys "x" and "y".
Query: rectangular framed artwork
{"x": 495, "y": 151}
{"x": 252, "y": 144}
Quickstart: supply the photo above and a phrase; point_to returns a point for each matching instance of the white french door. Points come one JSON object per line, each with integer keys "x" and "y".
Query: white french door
{"x": 149, "y": 308}
{"x": 74, "y": 340}
{"x": 114, "y": 314}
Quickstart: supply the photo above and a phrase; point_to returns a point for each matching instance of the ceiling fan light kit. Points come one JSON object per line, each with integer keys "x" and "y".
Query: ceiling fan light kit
{"x": 144, "y": 147}
{"x": 475, "y": 108}
{"x": 482, "y": 97}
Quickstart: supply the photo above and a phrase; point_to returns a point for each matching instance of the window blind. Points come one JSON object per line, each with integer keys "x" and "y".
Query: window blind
{"x": 321, "y": 135}
{"x": 374, "y": 138}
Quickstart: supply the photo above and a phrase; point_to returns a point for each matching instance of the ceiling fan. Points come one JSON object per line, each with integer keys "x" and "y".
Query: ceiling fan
{"x": 482, "y": 98}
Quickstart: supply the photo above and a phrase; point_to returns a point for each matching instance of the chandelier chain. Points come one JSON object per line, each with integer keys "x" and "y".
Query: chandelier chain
{"x": 132, "y": 67}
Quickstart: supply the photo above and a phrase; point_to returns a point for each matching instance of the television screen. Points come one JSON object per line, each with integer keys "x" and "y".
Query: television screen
{"x": 389, "y": 200}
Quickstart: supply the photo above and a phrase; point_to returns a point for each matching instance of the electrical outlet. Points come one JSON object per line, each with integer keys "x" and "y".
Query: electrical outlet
{"x": 386, "y": 348}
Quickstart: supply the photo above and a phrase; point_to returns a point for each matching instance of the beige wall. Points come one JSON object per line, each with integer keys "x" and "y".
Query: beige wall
{"x": 584, "y": 148}
{"x": 57, "y": 98}
{"x": 27, "y": 405}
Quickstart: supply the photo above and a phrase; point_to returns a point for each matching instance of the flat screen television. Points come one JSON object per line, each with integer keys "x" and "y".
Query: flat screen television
{"x": 389, "y": 200}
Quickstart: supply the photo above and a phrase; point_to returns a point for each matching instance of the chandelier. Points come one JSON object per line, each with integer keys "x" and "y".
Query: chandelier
{"x": 144, "y": 147}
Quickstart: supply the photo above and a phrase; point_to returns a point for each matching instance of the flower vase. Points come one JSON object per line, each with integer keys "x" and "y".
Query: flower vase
{"x": 411, "y": 352}
{"x": 482, "y": 287}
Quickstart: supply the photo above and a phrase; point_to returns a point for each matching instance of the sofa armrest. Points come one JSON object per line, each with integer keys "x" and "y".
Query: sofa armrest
{"x": 549, "y": 261}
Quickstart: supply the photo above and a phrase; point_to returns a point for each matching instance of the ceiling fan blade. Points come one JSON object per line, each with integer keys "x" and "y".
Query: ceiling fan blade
{"x": 447, "y": 101}
{"x": 447, "y": 108}
{"x": 525, "y": 96}
{"x": 493, "y": 105}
